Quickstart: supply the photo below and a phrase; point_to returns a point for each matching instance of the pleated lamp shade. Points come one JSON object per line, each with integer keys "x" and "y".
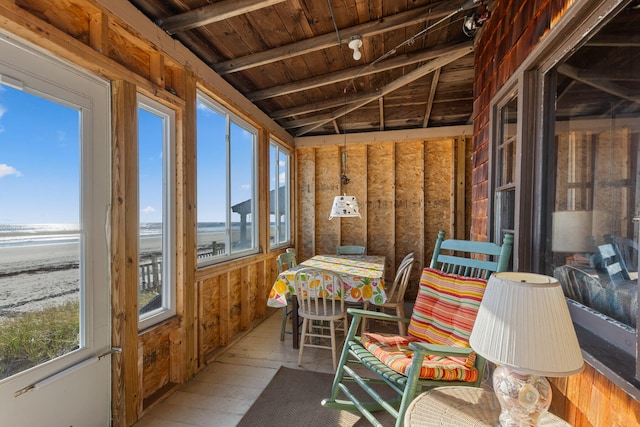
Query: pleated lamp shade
{"x": 524, "y": 323}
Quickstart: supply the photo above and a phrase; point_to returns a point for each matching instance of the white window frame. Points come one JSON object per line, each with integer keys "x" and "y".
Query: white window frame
{"x": 168, "y": 308}
{"x": 255, "y": 216}
{"x": 276, "y": 196}
{"x": 497, "y": 142}
{"x": 26, "y": 68}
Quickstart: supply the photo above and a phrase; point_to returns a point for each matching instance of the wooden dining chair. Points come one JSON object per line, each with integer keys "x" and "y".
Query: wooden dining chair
{"x": 350, "y": 250}
{"x": 285, "y": 261}
{"x": 395, "y": 295}
{"x": 436, "y": 350}
{"x": 321, "y": 306}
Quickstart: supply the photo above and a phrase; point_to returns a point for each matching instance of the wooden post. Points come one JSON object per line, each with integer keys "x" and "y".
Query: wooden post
{"x": 125, "y": 392}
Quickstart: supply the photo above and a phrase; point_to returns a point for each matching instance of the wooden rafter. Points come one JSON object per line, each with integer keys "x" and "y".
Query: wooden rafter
{"x": 212, "y": 13}
{"x": 314, "y": 107}
{"x": 375, "y": 94}
{"x": 432, "y": 95}
{"x": 324, "y": 41}
{"x": 607, "y": 87}
{"x": 353, "y": 72}
{"x": 615, "y": 40}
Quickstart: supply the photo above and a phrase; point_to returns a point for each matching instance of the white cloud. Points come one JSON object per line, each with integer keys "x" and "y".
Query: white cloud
{"x": 148, "y": 210}
{"x": 246, "y": 186}
{"x": 61, "y": 136}
{"x": 6, "y": 170}
{"x": 3, "y": 110}
{"x": 201, "y": 106}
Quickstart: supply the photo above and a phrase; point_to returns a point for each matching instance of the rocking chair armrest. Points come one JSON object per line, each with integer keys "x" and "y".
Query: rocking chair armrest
{"x": 440, "y": 350}
{"x": 376, "y": 315}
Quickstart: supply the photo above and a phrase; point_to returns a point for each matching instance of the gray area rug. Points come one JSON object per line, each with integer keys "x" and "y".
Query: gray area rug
{"x": 293, "y": 397}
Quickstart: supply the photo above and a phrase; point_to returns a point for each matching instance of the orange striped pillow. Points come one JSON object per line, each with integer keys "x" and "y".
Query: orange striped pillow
{"x": 446, "y": 308}
{"x": 394, "y": 352}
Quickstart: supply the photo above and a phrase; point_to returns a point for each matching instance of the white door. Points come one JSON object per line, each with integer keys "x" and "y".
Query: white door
{"x": 55, "y": 367}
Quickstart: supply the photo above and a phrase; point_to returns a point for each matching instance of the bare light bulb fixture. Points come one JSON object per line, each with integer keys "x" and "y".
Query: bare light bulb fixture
{"x": 355, "y": 43}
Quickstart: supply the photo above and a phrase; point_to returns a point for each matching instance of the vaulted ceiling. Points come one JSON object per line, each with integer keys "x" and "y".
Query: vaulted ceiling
{"x": 291, "y": 58}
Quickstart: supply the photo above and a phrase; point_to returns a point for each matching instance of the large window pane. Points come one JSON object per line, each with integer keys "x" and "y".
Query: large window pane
{"x": 505, "y": 167}
{"x": 212, "y": 181}
{"x": 596, "y": 149}
{"x": 226, "y": 184}
{"x": 155, "y": 284}
{"x": 280, "y": 229}
{"x": 40, "y": 230}
{"x": 242, "y": 189}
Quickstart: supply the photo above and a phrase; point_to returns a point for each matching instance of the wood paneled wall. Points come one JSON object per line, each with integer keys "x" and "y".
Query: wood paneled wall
{"x": 590, "y": 399}
{"x": 215, "y": 305}
{"x": 507, "y": 38}
{"x": 406, "y": 191}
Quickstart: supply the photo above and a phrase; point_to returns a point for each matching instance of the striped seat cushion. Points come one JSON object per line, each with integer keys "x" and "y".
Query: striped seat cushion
{"x": 444, "y": 313}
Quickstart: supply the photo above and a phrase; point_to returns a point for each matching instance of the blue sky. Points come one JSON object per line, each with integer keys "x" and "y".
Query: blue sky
{"x": 39, "y": 158}
{"x": 211, "y": 175}
{"x": 39, "y": 162}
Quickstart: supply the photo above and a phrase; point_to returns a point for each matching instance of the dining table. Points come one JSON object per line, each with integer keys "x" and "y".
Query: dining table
{"x": 362, "y": 275}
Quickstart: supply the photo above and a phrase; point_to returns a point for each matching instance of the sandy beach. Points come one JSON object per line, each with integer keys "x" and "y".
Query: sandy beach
{"x": 36, "y": 277}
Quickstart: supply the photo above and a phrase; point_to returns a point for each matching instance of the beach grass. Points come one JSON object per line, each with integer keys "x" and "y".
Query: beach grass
{"x": 37, "y": 337}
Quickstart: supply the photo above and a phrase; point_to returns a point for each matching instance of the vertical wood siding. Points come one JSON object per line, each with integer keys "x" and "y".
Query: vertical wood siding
{"x": 404, "y": 190}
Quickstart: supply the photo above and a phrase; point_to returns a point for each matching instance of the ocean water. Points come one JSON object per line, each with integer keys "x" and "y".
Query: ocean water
{"x": 48, "y": 234}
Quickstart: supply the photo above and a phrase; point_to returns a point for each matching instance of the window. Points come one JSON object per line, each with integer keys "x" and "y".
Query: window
{"x": 279, "y": 193}
{"x": 54, "y": 198}
{"x": 156, "y": 284}
{"x": 595, "y": 136}
{"x": 226, "y": 181}
{"x": 505, "y": 183}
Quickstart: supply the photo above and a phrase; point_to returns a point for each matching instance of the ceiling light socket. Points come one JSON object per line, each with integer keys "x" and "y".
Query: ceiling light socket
{"x": 355, "y": 43}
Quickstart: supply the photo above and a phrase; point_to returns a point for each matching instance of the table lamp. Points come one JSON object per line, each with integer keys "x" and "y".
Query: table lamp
{"x": 523, "y": 325}
{"x": 572, "y": 231}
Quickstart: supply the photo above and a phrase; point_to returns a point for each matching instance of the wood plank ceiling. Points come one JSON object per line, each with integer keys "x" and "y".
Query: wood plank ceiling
{"x": 292, "y": 59}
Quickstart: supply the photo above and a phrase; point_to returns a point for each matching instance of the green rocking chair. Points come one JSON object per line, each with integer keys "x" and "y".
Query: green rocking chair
{"x": 436, "y": 350}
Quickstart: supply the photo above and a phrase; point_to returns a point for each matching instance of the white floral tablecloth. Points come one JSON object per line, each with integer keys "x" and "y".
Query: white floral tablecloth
{"x": 363, "y": 276}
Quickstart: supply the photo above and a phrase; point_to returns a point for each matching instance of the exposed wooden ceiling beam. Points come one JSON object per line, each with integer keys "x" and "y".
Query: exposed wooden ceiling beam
{"x": 212, "y": 13}
{"x": 313, "y": 107}
{"x": 619, "y": 75}
{"x": 325, "y": 105}
{"x": 402, "y": 135}
{"x": 607, "y": 87}
{"x": 380, "y": 112}
{"x": 375, "y": 94}
{"x": 615, "y": 40}
{"x": 432, "y": 95}
{"x": 328, "y": 104}
{"x": 389, "y": 23}
{"x": 353, "y": 72}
